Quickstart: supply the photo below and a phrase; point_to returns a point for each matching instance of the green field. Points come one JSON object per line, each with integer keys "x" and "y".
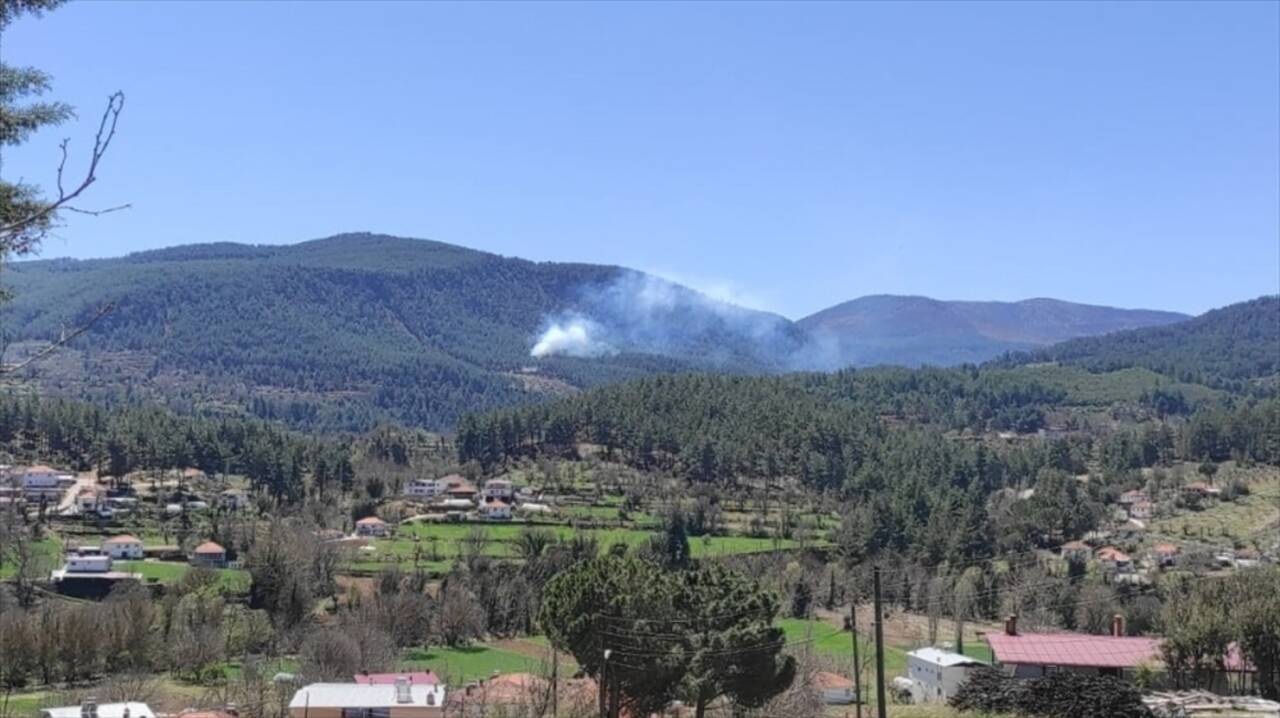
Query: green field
{"x": 481, "y": 661}
{"x": 824, "y": 638}
{"x": 448, "y": 541}
{"x": 170, "y": 571}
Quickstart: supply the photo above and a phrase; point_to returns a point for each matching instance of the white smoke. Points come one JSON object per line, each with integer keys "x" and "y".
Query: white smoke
{"x": 573, "y": 336}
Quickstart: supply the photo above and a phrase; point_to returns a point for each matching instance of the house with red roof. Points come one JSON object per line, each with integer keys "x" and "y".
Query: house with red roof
{"x": 1132, "y": 497}
{"x": 372, "y": 527}
{"x": 209, "y": 555}
{"x": 496, "y": 510}
{"x": 1076, "y": 551}
{"x": 1115, "y": 560}
{"x": 1165, "y": 554}
{"x": 1028, "y": 655}
{"x": 124, "y": 547}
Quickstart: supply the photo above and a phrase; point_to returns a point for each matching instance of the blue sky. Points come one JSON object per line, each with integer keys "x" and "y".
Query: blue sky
{"x": 790, "y": 156}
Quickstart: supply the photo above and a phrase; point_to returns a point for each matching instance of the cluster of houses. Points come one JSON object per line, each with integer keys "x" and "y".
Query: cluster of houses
{"x": 458, "y": 499}
{"x": 90, "y": 571}
{"x": 34, "y": 484}
{"x": 1141, "y": 506}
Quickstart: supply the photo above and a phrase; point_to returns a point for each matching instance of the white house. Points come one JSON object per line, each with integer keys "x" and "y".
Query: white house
{"x": 372, "y": 526}
{"x": 87, "y": 501}
{"x": 87, "y": 560}
{"x": 1141, "y": 510}
{"x": 39, "y": 477}
{"x": 123, "y": 547}
{"x": 423, "y": 489}
{"x": 499, "y": 489}
{"x": 936, "y": 674}
{"x": 496, "y": 510}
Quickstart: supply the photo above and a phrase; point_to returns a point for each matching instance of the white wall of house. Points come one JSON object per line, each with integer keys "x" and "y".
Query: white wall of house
{"x": 936, "y": 681}
{"x": 130, "y": 551}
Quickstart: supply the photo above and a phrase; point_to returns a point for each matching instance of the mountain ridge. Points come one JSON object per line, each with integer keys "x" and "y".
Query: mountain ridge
{"x": 352, "y": 329}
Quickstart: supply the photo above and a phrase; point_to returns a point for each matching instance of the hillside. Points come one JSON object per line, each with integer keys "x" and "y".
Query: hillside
{"x": 349, "y": 331}
{"x": 343, "y": 332}
{"x": 912, "y": 331}
{"x": 1236, "y": 347}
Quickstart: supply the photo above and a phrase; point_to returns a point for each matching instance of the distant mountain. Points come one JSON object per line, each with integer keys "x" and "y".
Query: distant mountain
{"x": 359, "y": 328}
{"x": 913, "y": 331}
{"x": 1236, "y": 347}
{"x": 344, "y": 332}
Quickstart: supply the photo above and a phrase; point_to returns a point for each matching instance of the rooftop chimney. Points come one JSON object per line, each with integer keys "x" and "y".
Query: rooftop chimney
{"x": 1011, "y": 625}
{"x": 1117, "y": 625}
{"x": 403, "y": 694}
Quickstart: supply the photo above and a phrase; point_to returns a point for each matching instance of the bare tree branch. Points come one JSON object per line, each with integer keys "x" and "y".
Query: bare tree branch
{"x": 102, "y": 141}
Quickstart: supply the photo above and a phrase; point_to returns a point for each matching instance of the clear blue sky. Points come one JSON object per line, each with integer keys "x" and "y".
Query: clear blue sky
{"x": 791, "y": 155}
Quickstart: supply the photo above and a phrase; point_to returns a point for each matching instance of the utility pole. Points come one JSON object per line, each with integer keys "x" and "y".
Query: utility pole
{"x": 881, "y": 707}
{"x": 604, "y": 681}
{"x": 857, "y": 665}
{"x": 555, "y": 682}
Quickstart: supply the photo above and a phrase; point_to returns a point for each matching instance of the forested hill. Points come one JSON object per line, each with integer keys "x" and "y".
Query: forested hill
{"x": 1236, "y": 347}
{"x": 911, "y": 331}
{"x": 342, "y": 332}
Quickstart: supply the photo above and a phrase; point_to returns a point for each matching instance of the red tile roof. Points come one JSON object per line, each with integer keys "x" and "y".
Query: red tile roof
{"x": 1111, "y": 553}
{"x": 382, "y": 679}
{"x": 370, "y": 521}
{"x": 1073, "y": 649}
{"x": 123, "y": 539}
{"x": 209, "y": 547}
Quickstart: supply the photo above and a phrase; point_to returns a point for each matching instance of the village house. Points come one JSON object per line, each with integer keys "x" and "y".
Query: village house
{"x": 89, "y": 500}
{"x": 935, "y": 675}
{"x": 1141, "y": 510}
{"x": 1114, "y": 560}
{"x": 372, "y": 527}
{"x": 1029, "y": 655}
{"x": 45, "y": 482}
{"x": 351, "y": 700}
{"x": 499, "y": 490}
{"x": 87, "y": 559}
{"x": 423, "y": 489}
{"x": 1076, "y": 551}
{"x": 1165, "y": 555}
{"x": 123, "y": 547}
{"x": 496, "y": 510}
{"x": 209, "y": 555}
{"x": 1129, "y": 498}
{"x": 1200, "y": 489}
{"x": 462, "y": 490}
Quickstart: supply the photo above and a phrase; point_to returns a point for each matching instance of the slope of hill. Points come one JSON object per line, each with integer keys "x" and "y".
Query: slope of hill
{"x": 345, "y": 331}
{"x": 911, "y": 331}
{"x": 1236, "y": 347}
